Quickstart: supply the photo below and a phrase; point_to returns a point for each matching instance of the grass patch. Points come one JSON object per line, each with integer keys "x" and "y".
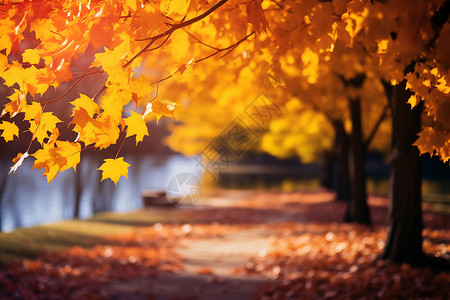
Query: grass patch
{"x": 27, "y": 243}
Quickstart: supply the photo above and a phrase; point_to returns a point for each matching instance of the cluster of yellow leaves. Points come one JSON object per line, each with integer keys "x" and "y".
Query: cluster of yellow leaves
{"x": 55, "y": 35}
{"x": 304, "y": 52}
{"x": 429, "y": 83}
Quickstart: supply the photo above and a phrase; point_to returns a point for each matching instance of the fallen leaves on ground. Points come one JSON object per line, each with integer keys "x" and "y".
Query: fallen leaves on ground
{"x": 314, "y": 255}
{"x": 320, "y": 258}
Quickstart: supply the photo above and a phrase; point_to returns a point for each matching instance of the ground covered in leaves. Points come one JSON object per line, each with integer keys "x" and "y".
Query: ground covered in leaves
{"x": 312, "y": 254}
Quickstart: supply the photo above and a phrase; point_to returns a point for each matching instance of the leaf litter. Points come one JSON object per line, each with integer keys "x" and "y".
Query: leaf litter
{"x": 313, "y": 254}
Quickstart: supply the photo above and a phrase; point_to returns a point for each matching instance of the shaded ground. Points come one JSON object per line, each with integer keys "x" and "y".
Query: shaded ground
{"x": 263, "y": 246}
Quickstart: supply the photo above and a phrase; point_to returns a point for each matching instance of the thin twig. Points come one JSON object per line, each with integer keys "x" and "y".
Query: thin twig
{"x": 200, "y": 42}
{"x": 159, "y": 46}
{"x": 65, "y": 94}
{"x": 123, "y": 141}
{"x": 173, "y": 28}
{"x": 230, "y": 48}
{"x": 98, "y": 93}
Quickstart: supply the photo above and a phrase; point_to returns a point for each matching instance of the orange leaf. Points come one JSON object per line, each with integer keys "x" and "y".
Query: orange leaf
{"x": 255, "y": 16}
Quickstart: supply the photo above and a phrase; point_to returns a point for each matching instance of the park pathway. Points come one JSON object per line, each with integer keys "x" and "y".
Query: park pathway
{"x": 208, "y": 268}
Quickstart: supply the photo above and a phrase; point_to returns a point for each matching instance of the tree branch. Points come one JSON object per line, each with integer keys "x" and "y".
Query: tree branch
{"x": 173, "y": 28}
{"x": 230, "y": 48}
{"x": 376, "y": 126}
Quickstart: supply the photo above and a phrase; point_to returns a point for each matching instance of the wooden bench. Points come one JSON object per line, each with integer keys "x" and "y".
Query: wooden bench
{"x": 155, "y": 198}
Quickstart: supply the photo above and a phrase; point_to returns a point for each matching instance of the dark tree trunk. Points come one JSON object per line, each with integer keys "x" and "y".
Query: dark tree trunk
{"x": 358, "y": 209}
{"x": 328, "y": 174}
{"x": 404, "y": 240}
{"x": 342, "y": 178}
{"x": 78, "y": 190}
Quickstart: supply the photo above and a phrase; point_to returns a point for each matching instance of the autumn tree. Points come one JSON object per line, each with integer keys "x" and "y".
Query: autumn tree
{"x": 159, "y": 56}
{"x": 40, "y": 49}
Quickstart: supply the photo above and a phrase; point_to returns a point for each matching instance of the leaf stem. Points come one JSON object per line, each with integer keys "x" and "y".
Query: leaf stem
{"x": 123, "y": 141}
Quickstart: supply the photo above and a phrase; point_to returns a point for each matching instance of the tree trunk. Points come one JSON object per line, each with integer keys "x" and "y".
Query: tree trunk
{"x": 404, "y": 240}
{"x": 78, "y": 190}
{"x": 328, "y": 172}
{"x": 342, "y": 179}
{"x": 357, "y": 210}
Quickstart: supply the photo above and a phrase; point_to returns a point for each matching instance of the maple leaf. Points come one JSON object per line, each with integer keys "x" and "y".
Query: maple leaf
{"x": 136, "y": 126}
{"x": 15, "y": 74}
{"x": 413, "y": 101}
{"x": 71, "y": 152}
{"x": 427, "y": 140}
{"x": 112, "y": 58}
{"x": 114, "y": 168}
{"x": 175, "y": 7}
{"x": 163, "y": 108}
{"x": 9, "y": 130}
{"x": 57, "y": 156}
{"x": 131, "y": 4}
{"x": 107, "y": 133}
{"x": 182, "y": 68}
{"x": 33, "y": 112}
{"x": 46, "y": 124}
{"x": 3, "y": 63}
{"x": 86, "y": 103}
{"x": 31, "y": 56}
{"x": 45, "y": 158}
{"x": 18, "y": 102}
{"x": 255, "y": 16}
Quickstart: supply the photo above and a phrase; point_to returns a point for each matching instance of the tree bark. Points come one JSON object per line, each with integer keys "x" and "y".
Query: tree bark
{"x": 328, "y": 172}
{"x": 342, "y": 179}
{"x": 404, "y": 240}
{"x": 358, "y": 209}
{"x": 78, "y": 192}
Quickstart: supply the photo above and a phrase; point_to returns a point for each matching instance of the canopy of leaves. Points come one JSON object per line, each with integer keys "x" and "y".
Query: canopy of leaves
{"x": 214, "y": 59}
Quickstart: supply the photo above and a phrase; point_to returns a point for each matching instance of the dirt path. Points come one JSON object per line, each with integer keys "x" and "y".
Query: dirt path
{"x": 208, "y": 271}
{"x": 208, "y": 268}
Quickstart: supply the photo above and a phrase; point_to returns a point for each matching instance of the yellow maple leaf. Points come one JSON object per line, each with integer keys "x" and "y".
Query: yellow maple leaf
{"x": 9, "y": 130}
{"x": 57, "y": 156}
{"x": 442, "y": 85}
{"x": 44, "y": 29}
{"x": 413, "y": 101}
{"x": 131, "y": 4}
{"x": 163, "y": 108}
{"x": 175, "y": 7}
{"x": 71, "y": 152}
{"x": 45, "y": 158}
{"x": 18, "y": 102}
{"x": 112, "y": 58}
{"x": 136, "y": 126}
{"x": 114, "y": 168}
{"x": 46, "y": 124}
{"x": 31, "y": 56}
{"x": 429, "y": 140}
{"x": 86, "y": 103}
{"x": 33, "y": 112}
{"x": 141, "y": 89}
{"x": 107, "y": 133}
{"x": 3, "y": 63}
{"x": 15, "y": 74}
